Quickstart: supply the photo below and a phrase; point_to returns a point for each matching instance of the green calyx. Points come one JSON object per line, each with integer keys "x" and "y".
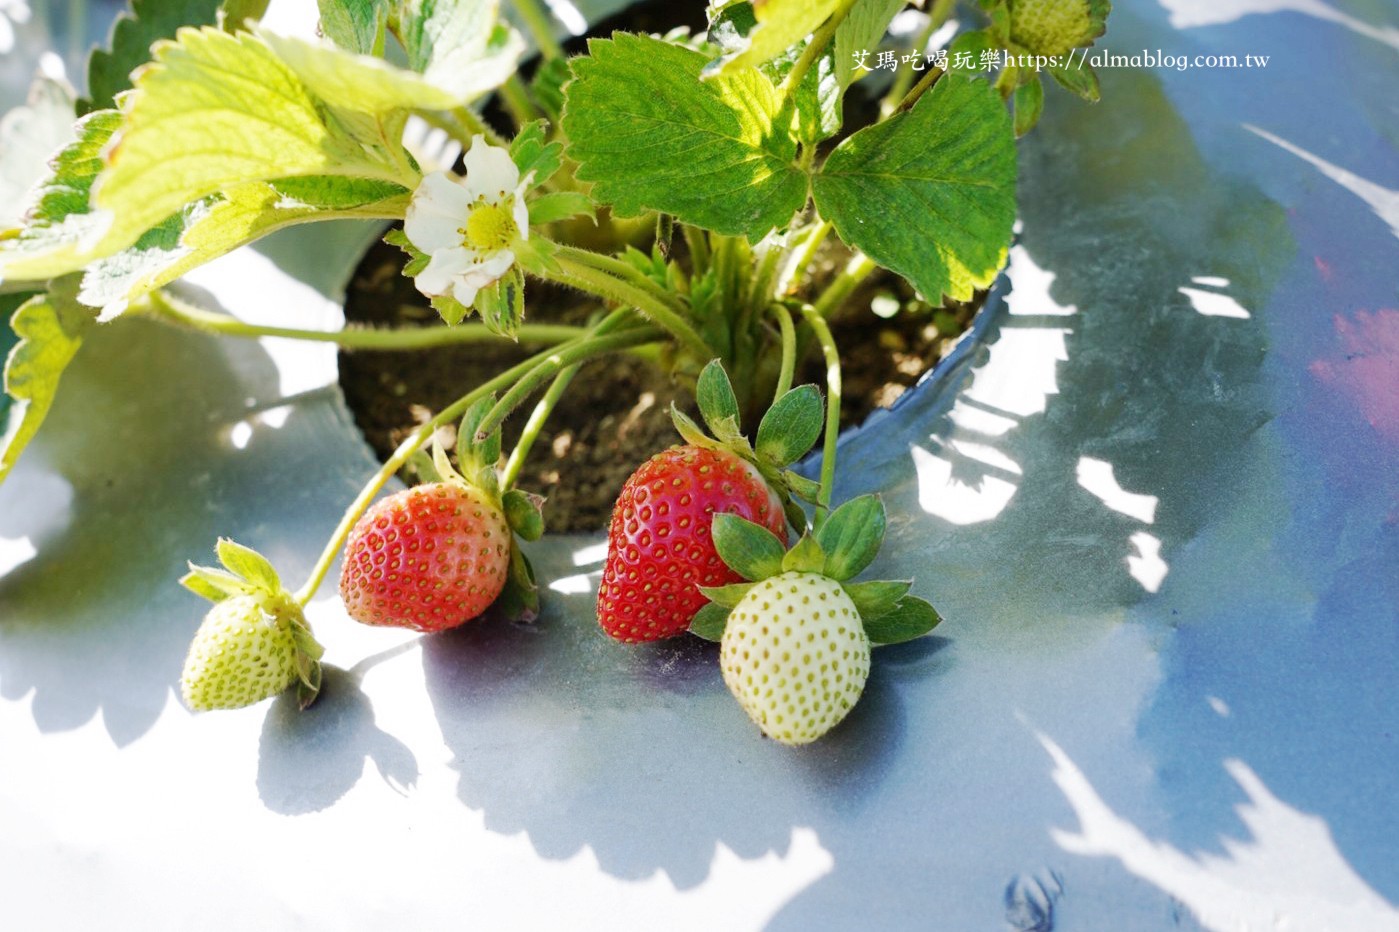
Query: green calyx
{"x": 247, "y": 574}
{"x": 844, "y": 547}
{"x": 786, "y": 433}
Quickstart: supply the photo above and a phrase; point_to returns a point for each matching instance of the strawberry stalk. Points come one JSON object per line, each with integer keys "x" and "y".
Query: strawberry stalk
{"x": 538, "y": 417}
{"x": 789, "y": 350}
{"x": 168, "y": 308}
{"x": 559, "y": 358}
{"x": 577, "y": 272}
{"x": 819, "y": 40}
{"x": 833, "y": 390}
{"x": 536, "y": 377}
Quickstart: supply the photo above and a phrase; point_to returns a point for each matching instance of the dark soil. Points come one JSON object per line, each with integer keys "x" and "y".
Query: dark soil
{"x": 614, "y": 415}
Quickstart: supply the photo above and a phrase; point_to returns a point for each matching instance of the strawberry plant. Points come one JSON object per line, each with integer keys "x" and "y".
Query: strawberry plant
{"x": 687, "y": 183}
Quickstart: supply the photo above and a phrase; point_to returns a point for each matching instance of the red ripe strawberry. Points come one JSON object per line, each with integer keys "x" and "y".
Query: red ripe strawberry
{"x": 659, "y": 548}
{"x": 427, "y": 558}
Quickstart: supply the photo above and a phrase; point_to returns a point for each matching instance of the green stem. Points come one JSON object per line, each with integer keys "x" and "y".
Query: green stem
{"x": 574, "y": 352}
{"x": 169, "y": 309}
{"x": 534, "y": 425}
{"x": 919, "y": 89}
{"x": 475, "y": 126}
{"x": 585, "y": 276}
{"x": 517, "y": 100}
{"x": 856, "y": 271}
{"x": 542, "y": 372}
{"x": 833, "y": 389}
{"x": 540, "y": 28}
{"x": 789, "y": 350}
{"x": 760, "y": 288}
{"x": 614, "y": 266}
{"x": 699, "y": 249}
{"x": 937, "y": 16}
{"x": 819, "y": 40}
{"x": 790, "y": 279}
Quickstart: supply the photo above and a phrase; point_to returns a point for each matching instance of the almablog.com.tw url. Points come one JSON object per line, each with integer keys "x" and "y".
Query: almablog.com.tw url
{"x": 994, "y": 59}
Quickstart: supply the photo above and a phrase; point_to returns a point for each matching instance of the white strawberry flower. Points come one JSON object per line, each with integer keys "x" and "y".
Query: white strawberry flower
{"x": 468, "y": 226}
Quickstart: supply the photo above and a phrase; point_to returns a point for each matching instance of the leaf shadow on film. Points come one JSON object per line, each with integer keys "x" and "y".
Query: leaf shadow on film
{"x": 1126, "y": 370}
{"x": 308, "y": 760}
{"x": 133, "y": 454}
{"x": 631, "y": 751}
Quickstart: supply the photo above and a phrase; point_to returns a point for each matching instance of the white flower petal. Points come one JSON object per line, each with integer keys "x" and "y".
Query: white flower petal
{"x": 445, "y": 267}
{"x": 464, "y": 292}
{"x": 521, "y": 214}
{"x": 485, "y": 271}
{"x": 438, "y": 210}
{"x": 490, "y": 172}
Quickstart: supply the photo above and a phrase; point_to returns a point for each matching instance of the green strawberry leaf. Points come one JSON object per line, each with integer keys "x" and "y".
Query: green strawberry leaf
{"x": 240, "y": 14}
{"x": 547, "y": 86}
{"x": 929, "y": 193}
{"x": 219, "y": 225}
{"x": 967, "y": 49}
{"x": 780, "y": 24}
{"x": 523, "y": 513}
{"x": 1029, "y": 104}
{"x": 561, "y": 205}
{"x": 60, "y": 219}
{"x": 129, "y": 45}
{"x": 50, "y": 328}
{"x": 911, "y": 617}
{"x": 214, "y": 584}
{"x": 249, "y": 564}
{"x": 862, "y": 30}
{"x": 727, "y": 596}
{"x": 851, "y": 536}
{"x": 791, "y": 426}
{"x": 29, "y": 137}
{"x": 356, "y": 83}
{"x": 267, "y": 124}
{"x": 355, "y": 25}
{"x": 877, "y": 597}
{"x": 532, "y": 152}
{"x": 459, "y": 45}
{"x": 806, "y": 557}
{"x": 750, "y": 550}
{"x": 718, "y": 405}
{"x": 709, "y": 622}
{"x": 651, "y": 136}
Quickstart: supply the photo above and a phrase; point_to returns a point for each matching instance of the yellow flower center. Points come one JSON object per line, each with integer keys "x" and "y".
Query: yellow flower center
{"x": 490, "y": 227}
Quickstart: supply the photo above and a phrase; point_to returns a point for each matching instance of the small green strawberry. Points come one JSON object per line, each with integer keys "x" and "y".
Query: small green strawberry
{"x": 795, "y": 640}
{"x": 1057, "y": 27}
{"x": 241, "y": 655}
{"x": 253, "y": 643}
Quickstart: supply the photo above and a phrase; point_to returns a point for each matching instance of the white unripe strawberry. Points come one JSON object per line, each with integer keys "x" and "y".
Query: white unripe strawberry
{"x": 796, "y": 656}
